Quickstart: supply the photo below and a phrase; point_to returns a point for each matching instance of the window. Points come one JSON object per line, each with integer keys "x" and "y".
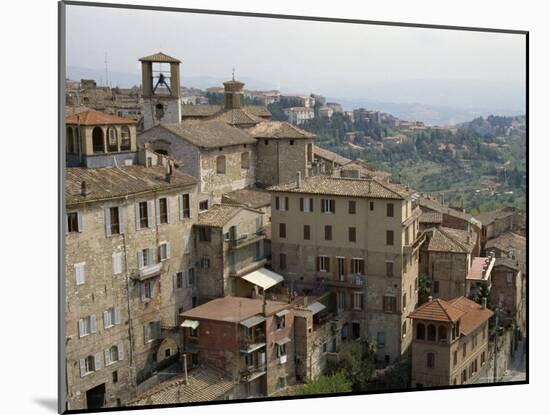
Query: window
{"x": 389, "y": 268}
{"x": 389, "y": 237}
{"x": 190, "y": 277}
{"x": 98, "y": 145}
{"x": 113, "y": 354}
{"x": 307, "y": 232}
{"x": 259, "y": 250}
{"x": 482, "y": 358}
{"x": 430, "y": 360}
{"x": 113, "y": 221}
{"x": 282, "y": 230}
{"x": 147, "y": 290}
{"x": 117, "y": 263}
{"x": 74, "y": 222}
{"x": 474, "y": 342}
{"x": 281, "y": 350}
{"x": 125, "y": 139}
{"x": 280, "y": 321}
{"x": 357, "y": 301}
{"x": 404, "y": 329}
{"x": 282, "y": 261}
{"x": 143, "y": 215}
{"x": 185, "y": 206}
{"x": 431, "y": 332}
{"x": 112, "y": 141}
{"x": 351, "y": 207}
{"x": 205, "y": 262}
{"x": 111, "y": 316}
{"x": 281, "y": 203}
{"x": 87, "y": 325}
{"x": 436, "y": 287}
{"x": 220, "y": 164}
{"x": 463, "y": 376}
{"x": 381, "y": 339}
{"x": 352, "y": 234}
{"x": 420, "y": 331}
{"x": 389, "y": 210}
{"x": 146, "y": 257}
{"x": 357, "y": 266}
{"x": 89, "y": 364}
{"x": 164, "y": 251}
{"x": 80, "y": 273}
{"x": 306, "y": 204}
{"x": 328, "y": 206}
{"x": 151, "y": 331}
{"x": 180, "y": 280}
{"x": 442, "y": 333}
{"x": 341, "y": 300}
{"x": 70, "y": 141}
{"x": 162, "y": 207}
{"x": 328, "y": 233}
{"x": 204, "y": 234}
{"x": 115, "y": 379}
{"x": 371, "y": 205}
{"x": 455, "y": 357}
{"x": 323, "y": 263}
{"x": 389, "y": 304}
{"x": 203, "y": 205}
{"x": 291, "y": 142}
{"x": 149, "y": 162}
{"x": 404, "y": 301}
{"x": 464, "y": 351}
{"x": 245, "y": 160}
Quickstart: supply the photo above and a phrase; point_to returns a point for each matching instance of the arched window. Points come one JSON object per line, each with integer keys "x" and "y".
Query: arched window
{"x": 220, "y": 164}
{"x": 125, "y": 144}
{"x": 70, "y": 141}
{"x": 245, "y": 160}
{"x": 159, "y": 111}
{"x": 430, "y": 360}
{"x": 431, "y": 332}
{"x": 442, "y": 333}
{"x": 112, "y": 140}
{"x": 113, "y": 352}
{"x": 98, "y": 143}
{"x": 420, "y": 331}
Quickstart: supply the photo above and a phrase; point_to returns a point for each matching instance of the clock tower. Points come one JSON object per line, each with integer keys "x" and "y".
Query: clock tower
{"x": 160, "y": 89}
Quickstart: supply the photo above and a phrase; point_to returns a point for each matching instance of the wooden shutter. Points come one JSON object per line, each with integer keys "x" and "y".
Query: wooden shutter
{"x": 106, "y": 319}
{"x": 121, "y": 351}
{"x": 311, "y": 204}
{"x": 157, "y": 207}
{"x": 175, "y": 281}
{"x": 146, "y": 333}
{"x": 168, "y": 211}
{"x": 276, "y": 202}
{"x": 332, "y": 205}
{"x": 80, "y": 327}
{"x": 301, "y": 204}
{"x": 140, "y": 259}
{"x": 117, "y": 315}
{"x": 82, "y": 368}
{"x": 107, "y": 216}
{"x": 79, "y": 220}
{"x": 150, "y": 213}
{"x": 190, "y": 205}
{"x": 142, "y": 291}
{"x": 180, "y": 198}
{"x": 335, "y": 269}
{"x": 322, "y": 205}
{"x": 107, "y": 354}
{"x": 137, "y": 216}
{"x": 97, "y": 361}
{"x": 117, "y": 263}
{"x": 93, "y": 323}
{"x": 362, "y": 267}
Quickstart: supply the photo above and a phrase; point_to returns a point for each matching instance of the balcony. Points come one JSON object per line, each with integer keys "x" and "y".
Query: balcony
{"x": 251, "y": 342}
{"x": 148, "y": 271}
{"x": 349, "y": 281}
{"x": 252, "y": 372}
{"x": 246, "y": 239}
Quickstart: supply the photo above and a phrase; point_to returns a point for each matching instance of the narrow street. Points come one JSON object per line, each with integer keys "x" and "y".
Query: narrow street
{"x": 516, "y": 368}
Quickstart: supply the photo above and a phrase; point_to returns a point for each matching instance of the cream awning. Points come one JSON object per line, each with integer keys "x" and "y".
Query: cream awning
{"x": 263, "y": 278}
{"x": 190, "y": 323}
{"x": 252, "y": 321}
{"x": 316, "y": 307}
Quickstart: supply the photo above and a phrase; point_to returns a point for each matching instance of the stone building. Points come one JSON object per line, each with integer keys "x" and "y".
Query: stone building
{"x": 509, "y": 245}
{"x": 357, "y": 238}
{"x": 500, "y": 221}
{"x": 127, "y": 229}
{"x": 450, "y": 345}
{"x": 229, "y": 243}
{"x": 299, "y": 115}
{"x": 252, "y": 340}
{"x": 445, "y": 259}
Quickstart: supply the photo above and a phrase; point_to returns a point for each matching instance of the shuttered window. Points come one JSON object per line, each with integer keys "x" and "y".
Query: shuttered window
{"x": 117, "y": 263}
{"x": 111, "y": 317}
{"x": 389, "y": 303}
{"x": 307, "y": 232}
{"x": 87, "y": 325}
{"x": 328, "y": 233}
{"x": 163, "y": 210}
{"x": 282, "y": 230}
{"x": 352, "y": 234}
{"x": 80, "y": 273}
{"x": 389, "y": 237}
{"x": 164, "y": 251}
{"x": 74, "y": 222}
{"x": 185, "y": 206}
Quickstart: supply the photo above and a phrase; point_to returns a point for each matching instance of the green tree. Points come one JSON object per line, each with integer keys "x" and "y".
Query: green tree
{"x": 356, "y": 358}
{"x": 335, "y": 383}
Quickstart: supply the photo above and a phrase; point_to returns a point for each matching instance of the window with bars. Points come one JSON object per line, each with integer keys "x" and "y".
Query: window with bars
{"x": 389, "y": 303}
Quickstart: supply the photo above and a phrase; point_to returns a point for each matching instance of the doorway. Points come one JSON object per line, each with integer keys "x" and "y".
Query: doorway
{"x": 95, "y": 397}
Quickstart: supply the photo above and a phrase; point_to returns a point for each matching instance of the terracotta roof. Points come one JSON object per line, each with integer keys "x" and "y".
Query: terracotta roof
{"x": 474, "y": 315}
{"x": 431, "y": 217}
{"x": 113, "y": 182}
{"x": 437, "y": 310}
{"x": 239, "y": 116}
{"x": 278, "y": 129}
{"x": 480, "y": 268}
{"x": 205, "y": 384}
{"x": 96, "y": 118}
{"x": 254, "y": 198}
{"x": 188, "y": 110}
{"x": 431, "y": 204}
{"x": 208, "y": 134}
{"x": 159, "y": 57}
{"x": 218, "y": 215}
{"x": 487, "y": 218}
{"x": 330, "y": 155}
{"x": 451, "y": 240}
{"x": 506, "y": 241}
{"x": 76, "y": 109}
{"x": 338, "y": 186}
{"x": 233, "y": 309}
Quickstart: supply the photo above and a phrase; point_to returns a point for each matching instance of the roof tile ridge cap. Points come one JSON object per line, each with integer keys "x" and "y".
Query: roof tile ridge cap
{"x": 386, "y": 187}
{"x": 452, "y": 239}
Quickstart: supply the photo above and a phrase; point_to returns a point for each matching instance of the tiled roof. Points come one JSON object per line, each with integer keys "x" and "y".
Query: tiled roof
{"x": 431, "y": 204}
{"x": 506, "y": 241}
{"x": 188, "y": 110}
{"x": 218, "y": 215}
{"x": 437, "y": 310}
{"x": 96, "y": 118}
{"x": 431, "y": 217}
{"x": 475, "y": 315}
{"x": 451, "y": 240}
{"x": 480, "y": 269}
{"x": 233, "y": 309}
{"x": 239, "y": 116}
{"x": 330, "y": 155}
{"x": 76, "y": 109}
{"x": 489, "y": 217}
{"x": 508, "y": 263}
{"x": 211, "y": 133}
{"x": 258, "y": 110}
{"x": 278, "y": 129}
{"x": 337, "y": 186}
{"x": 254, "y": 198}
{"x": 159, "y": 57}
{"x": 112, "y": 182}
{"x": 366, "y": 170}
{"x": 205, "y": 384}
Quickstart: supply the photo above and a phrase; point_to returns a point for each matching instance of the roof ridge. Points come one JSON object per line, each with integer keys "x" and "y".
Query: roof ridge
{"x": 444, "y": 232}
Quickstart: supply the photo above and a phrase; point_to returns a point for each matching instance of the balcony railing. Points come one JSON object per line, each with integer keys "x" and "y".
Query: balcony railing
{"x": 148, "y": 271}
{"x": 351, "y": 281}
{"x": 247, "y": 341}
{"x": 246, "y": 239}
{"x": 251, "y": 371}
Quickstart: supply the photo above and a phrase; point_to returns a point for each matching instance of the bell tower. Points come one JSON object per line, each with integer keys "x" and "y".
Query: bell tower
{"x": 160, "y": 89}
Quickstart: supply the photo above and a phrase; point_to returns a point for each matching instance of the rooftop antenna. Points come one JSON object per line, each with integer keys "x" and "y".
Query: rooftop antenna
{"x": 106, "y": 70}
{"x": 233, "y": 73}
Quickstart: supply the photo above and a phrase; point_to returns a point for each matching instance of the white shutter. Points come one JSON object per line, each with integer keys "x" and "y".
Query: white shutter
{"x": 93, "y": 324}
{"x": 180, "y": 198}
{"x": 187, "y": 245}
{"x": 107, "y": 218}
{"x": 168, "y": 215}
{"x": 137, "y": 216}
{"x": 80, "y": 273}
{"x": 97, "y": 361}
{"x": 107, "y": 354}
{"x": 146, "y": 333}
{"x": 149, "y": 213}
{"x": 190, "y": 205}
{"x": 117, "y": 315}
{"x": 142, "y": 291}
{"x": 79, "y": 219}
{"x": 140, "y": 259}
{"x": 80, "y": 327}
{"x": 151, "y": 255}
{"x": 82, "y": 368}
{"x": 121, "y": 219}
{"x": 167, "y": 250}
{"x": 106, "y": 319}
{"x": 117, "y": 263}
{"x": 121, "y": 351}
{"x": 157, "y": 206}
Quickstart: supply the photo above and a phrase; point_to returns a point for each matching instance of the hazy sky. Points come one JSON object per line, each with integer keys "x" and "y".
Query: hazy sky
{"x": 300, "y": 56}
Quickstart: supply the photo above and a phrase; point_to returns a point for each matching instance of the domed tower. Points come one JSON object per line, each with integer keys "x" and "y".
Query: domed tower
{"x": 233, "y": 94}
{"x": 161, "y": 90}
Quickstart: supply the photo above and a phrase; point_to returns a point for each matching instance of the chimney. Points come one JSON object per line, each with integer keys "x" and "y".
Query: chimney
{"x": 85, "y": 190}
{"x": 185, "y": 368}
{"x": 430, "y": 298}
{"x": 170, "y": 174}
{"x": 484, "y": 303}
{"x": 298, "y": 180}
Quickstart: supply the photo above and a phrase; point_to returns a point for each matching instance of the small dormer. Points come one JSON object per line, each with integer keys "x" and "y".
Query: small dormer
{"x": 96, "y": 139}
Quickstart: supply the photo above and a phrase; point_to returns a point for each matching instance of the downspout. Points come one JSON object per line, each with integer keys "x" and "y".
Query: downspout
{"x": 278, "y": 178}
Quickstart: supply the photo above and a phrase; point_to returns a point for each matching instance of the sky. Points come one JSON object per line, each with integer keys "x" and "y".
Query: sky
{"x": 352, "y": 61}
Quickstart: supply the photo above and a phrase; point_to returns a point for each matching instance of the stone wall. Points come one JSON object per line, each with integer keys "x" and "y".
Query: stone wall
{"x": 171, "y": 111}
